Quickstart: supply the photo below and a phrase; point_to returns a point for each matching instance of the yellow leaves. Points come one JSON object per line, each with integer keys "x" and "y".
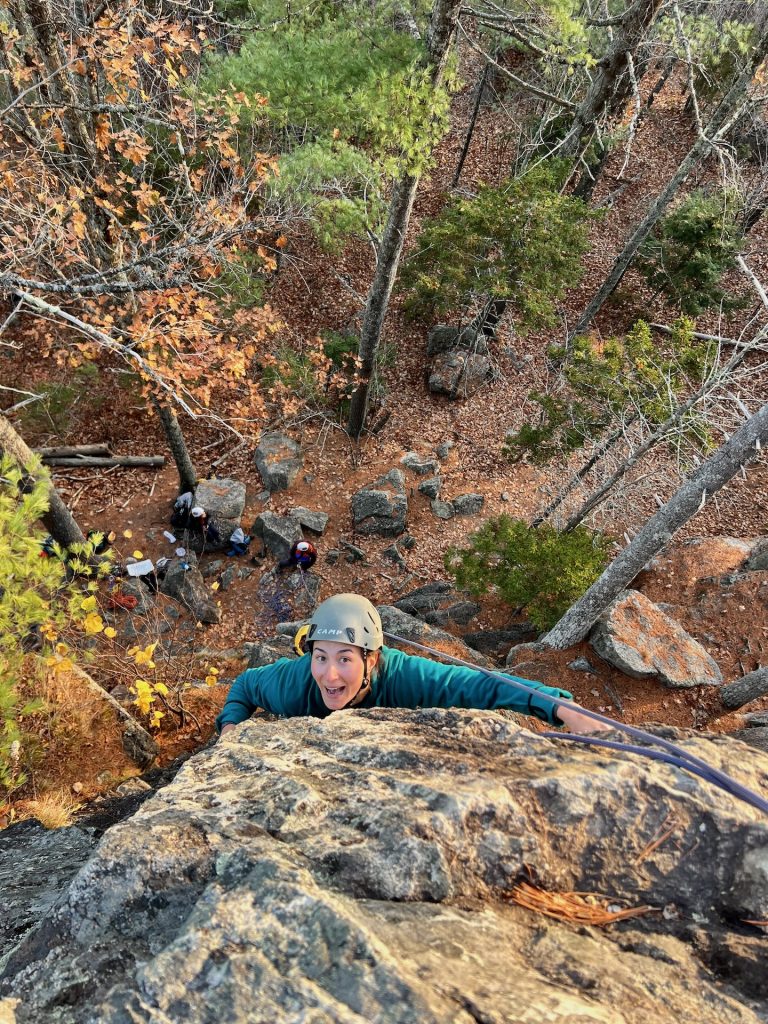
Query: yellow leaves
{"x": 110, "y": 633}
{"x": 89, "y": 604}
{"x": 143, "y": 656}
{"x": 59, "y": 139}
{"x": 93, "y": 624}
{"x": 49, "y": 632}
{"x": 154, "y": 721}
{"x": 127, "y": 534}
{"x": 137, "y": 554}
{"x": 212, "y": 678}
{"x": 144, "y": 695}
{"x": 215, "y": 586}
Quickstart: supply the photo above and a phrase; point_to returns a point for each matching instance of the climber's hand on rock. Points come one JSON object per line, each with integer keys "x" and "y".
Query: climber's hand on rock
{"x": 575, "y": 721}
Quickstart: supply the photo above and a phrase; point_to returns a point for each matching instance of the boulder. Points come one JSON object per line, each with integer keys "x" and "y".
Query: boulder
{"x": 755, "y": 737}
{"x": 436, "y": 604}
{"x": 267, "y": 653}
{"x": 279, "y": 460}
{"x": 187, "y": 586}
{"x": 409, "y": 627}
{"x": 468, "y": 504}
{"x": 145, "y": 602}
{"x": 381, "y": 507}
{"x": 309, "y": 520}
{"x": 431, "y": 486}
{"x": 224, "y": 501}
{"x": 278, "y": 533}
{"x": 637, "y": 638}
{"x": 364, "y": 868}
{"x": 425, "y": 599}
{"x": 497, "y": 642}
{"x": 758, "y": 557}
{"x": 459, "y": 374}
{"x": 419, "y": 465}
{"x": 444, "y": 338}
{"x": 442, "y": 509}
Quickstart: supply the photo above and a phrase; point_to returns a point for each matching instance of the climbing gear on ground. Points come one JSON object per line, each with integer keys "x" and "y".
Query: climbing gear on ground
{"x": 670, "y": 753}
{"x": 347, "y": 618}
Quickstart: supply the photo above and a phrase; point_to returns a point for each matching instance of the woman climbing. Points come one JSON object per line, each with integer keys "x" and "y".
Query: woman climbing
{"x": 347, "y": 666}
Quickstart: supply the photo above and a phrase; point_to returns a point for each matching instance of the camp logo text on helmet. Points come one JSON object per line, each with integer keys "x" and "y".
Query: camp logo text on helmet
{"x": 347, "y": 618}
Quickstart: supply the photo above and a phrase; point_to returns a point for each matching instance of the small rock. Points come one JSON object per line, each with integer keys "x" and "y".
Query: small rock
{"x": 332, "y": 556}
{"x": 582, "y": 665}
{"x": 228, "y": 577}
{"x": 444, "y": 450}
{"x": 355, "y": 554}
{"x": 77, "y": 787}
{"x": 505, "y": 496}
{"x": 278, "y": 460}
{"x": 393, "y": 555}
{"x": 408, "y": 542}
{"x": 213, "y": 568}
{"x": 132, "y": 786}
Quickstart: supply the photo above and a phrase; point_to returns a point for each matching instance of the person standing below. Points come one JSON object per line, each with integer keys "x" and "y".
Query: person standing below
{"x": 347, "y": 666}
{"x": 302, "y": 555}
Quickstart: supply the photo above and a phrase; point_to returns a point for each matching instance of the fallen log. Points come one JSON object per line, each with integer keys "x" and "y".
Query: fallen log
{"x": 743, "y": 691}
{"x": 91, "y": 462}
{"x": 70, "y": 450}
{"x": 712, "y": 337}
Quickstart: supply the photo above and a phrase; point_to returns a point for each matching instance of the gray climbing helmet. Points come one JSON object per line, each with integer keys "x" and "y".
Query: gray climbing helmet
{"x": 347, "y": 618}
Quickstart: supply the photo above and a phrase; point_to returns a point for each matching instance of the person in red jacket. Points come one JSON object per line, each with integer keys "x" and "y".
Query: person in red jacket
{"x": 302, "y": 555}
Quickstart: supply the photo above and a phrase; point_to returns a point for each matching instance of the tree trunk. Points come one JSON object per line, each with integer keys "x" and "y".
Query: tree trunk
{"x": 745, "y": 690}
{"x": 611, "y": 85}
{"x": 723, "y": 119}
{"x": 597, "y": 455}
{"x": 441, "y": 29}
{"x": 178, "y": 446}
{"x": 58, "y": 520}
{"x": 671, "y": 424}
{"x": 741, "y": 448}
{"x": 471, "y": 126}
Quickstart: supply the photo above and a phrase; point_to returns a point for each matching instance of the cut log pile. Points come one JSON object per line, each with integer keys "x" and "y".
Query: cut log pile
{"x": 95, "y": 456}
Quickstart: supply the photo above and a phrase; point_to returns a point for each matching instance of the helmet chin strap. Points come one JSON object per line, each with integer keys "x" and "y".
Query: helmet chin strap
{"x": 364, "y": 690}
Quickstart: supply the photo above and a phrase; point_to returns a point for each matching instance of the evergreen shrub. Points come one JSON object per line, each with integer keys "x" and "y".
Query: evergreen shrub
{"x": 535, "y": 568}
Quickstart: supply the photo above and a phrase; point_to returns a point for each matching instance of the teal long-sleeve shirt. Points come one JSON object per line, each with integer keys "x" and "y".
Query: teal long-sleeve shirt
{"x": 286, "y": 688}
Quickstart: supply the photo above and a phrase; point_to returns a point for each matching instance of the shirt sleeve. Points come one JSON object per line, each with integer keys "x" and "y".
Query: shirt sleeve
{"x": 418, "y": 682}
{"x": 280, "y": 689}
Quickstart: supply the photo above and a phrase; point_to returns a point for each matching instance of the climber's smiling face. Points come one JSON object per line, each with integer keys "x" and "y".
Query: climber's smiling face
{"x": 339, "y": 671}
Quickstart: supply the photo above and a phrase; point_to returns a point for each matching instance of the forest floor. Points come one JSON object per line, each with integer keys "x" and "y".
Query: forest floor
{"x": 309, "y": 298}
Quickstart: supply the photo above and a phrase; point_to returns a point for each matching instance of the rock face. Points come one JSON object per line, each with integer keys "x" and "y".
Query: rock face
{"x": 758, "y": 558}
{"x": 359, "y": 869}
{"x": 636, "y": 637}
{"x": 381, "y": 507}
{"x": 278, "y": 460}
